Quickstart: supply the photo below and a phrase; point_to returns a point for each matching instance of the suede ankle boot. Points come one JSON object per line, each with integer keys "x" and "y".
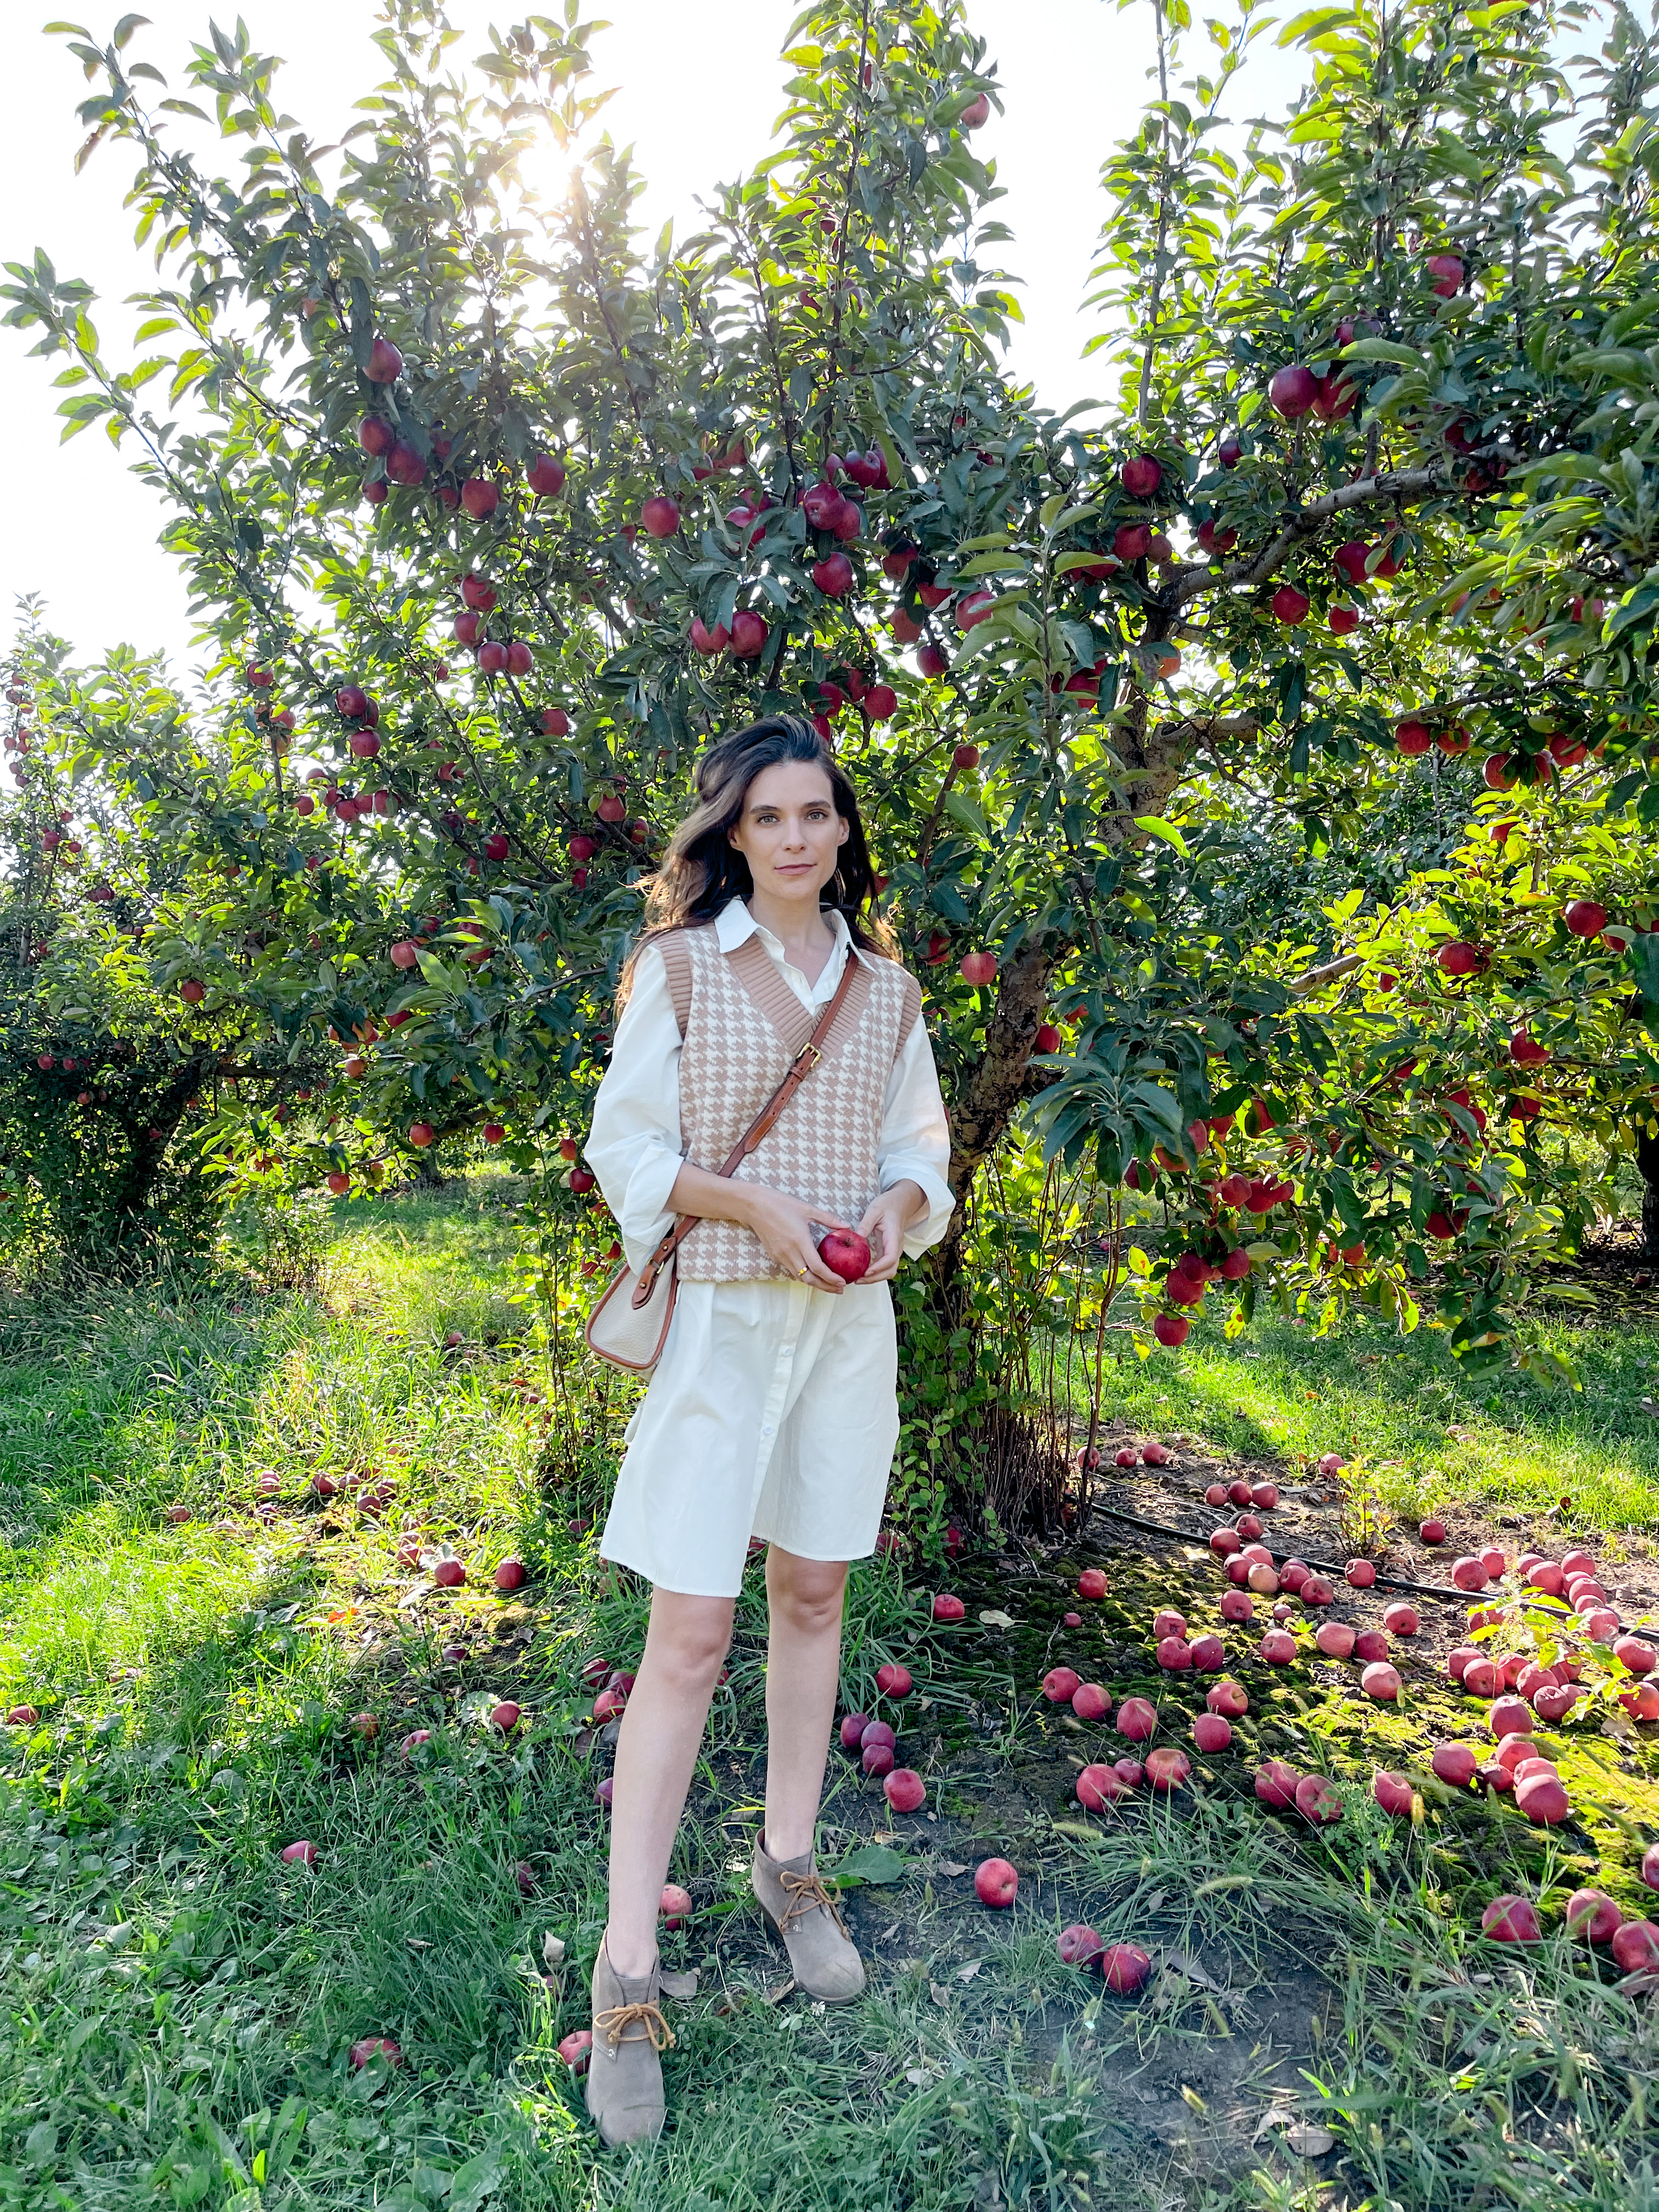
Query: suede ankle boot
{"x": 823, "y": 1956}
{"x": 624, "y": 2073}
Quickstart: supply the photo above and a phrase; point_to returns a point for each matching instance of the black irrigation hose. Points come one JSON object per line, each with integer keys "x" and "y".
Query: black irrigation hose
{"x": 1386, "y": 1582}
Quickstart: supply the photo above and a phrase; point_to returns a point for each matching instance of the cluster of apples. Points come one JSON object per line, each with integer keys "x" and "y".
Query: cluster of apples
{"x": 1590, "y": 1913}
{"x": 877, "y": 1745}
{"x": 1124, "y": 1967}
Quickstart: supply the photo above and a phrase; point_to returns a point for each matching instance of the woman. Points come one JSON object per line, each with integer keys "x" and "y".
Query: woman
{"x": 773, "y": 1412}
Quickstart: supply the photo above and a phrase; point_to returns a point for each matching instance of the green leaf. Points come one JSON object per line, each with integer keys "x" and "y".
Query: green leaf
{"x": 1385, "y": 349}
{"x": 870, "y": 1862}
{"x": 1155, "y": 826}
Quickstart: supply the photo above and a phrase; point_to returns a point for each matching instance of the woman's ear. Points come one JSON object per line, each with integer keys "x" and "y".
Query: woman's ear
{"x": 846, "y": 830}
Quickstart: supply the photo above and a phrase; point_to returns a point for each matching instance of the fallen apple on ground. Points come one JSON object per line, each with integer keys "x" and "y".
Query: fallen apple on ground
{"x": 995, "y": 1884}
{"x": 1125, "y": 1968}
{"x": 1317, "y": 1800}
{"x": 299, "y": 1854}
{"x": 576, "y": 2050}
{"x": 1167, "y": 1769}
{"x": 674, "y": 1906}
{"x": 1060, "y": 1685}
{"x": 949, "y": 1607}
{"x": 1455, "y": 1763}
{"x": 1212, "y": 1732}
{"x": 1275, "y": 1783}
{"x": 1137, "y": 1719}
{"x": 1635, "y": 1946}
{"x": 851, "y": 1730}
{"x": 1099, "y": 1786}
{"x": 905, "y": 1790}
{"x": 894, "y": 1680}
{"x": 1394, "y": 1793}
{"x": 1079, "y": 1946}
{"x": 1511, "y": 1919}
{"x": 1091, "y": 1583}
{"x": 375, "y": 2046}
{"x": 1090, "y": 1702}
{"x": 1592, "y": 1914}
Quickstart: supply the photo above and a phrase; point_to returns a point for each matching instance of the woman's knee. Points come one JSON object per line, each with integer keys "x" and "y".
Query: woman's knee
{"x": 806, "y": 1593}
{"x": 689, "y": 1637}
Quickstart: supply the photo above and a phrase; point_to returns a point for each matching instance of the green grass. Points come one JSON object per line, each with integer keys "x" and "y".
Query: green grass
{"x": 1426, "y": 1436}
{"x": 176, "y": 2007}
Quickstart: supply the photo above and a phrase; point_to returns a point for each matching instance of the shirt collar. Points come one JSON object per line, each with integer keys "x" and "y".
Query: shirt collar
{"x": 734, "y": 923}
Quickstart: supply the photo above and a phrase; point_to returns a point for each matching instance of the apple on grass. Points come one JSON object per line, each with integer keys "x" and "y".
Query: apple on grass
{"x": 1394, "y": 1793}
{"x": 1125, "y": 1968}
{"x": 300, "y": 1854}
{"x": 1455, "y": 1764}
{"x": 1079, "y": 1946}
{"x": 1635, "y": 1946}
{"x": 1511, "y": 1919}
{"x": 674, "y": 1906}
{"x": 905, "y": 1790}
{"x": 1098, "y": 1787}
{"x": 576, "y": 2050}
{"x": 375, "y": 2046}
{"x": 995, "y": 1884}
{"x": 894, "y": 1680}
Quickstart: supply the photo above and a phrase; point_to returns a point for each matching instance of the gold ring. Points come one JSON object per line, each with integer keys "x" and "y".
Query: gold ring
{"x": 800, "y": 1274}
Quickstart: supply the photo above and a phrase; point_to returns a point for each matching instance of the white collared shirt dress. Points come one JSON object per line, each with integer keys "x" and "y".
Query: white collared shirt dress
{"x": 774, "y": 1410}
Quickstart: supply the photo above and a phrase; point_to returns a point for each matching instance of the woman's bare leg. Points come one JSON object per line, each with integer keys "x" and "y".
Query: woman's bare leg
{"x": 803, "y": 1673}
{"x": 667, "y": 1708}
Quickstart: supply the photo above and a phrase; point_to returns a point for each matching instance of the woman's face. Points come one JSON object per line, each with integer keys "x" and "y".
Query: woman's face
{"x": 789, "y": 831}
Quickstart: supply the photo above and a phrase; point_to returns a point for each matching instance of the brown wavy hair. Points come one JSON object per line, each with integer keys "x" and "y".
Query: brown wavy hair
{"x": 701, "y": 870}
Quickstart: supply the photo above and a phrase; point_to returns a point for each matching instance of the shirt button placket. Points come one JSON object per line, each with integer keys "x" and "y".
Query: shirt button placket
{"x": 783, "y": 1369}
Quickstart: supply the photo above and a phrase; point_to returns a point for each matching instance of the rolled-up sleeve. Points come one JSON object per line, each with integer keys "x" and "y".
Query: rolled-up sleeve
{"x": 633, "y": 1146}
{"x": 914, "y": 1144}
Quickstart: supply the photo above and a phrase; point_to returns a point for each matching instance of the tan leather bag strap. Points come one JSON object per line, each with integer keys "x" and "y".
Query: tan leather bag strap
{"x": 799, "y": 1068}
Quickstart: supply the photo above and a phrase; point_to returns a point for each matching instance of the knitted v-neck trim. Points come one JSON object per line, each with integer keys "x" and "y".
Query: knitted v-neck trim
{"x": 764, "y": 985}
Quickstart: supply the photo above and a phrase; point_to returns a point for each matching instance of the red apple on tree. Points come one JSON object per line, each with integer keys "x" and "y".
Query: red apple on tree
{"x": 660, "y": 516}
{"x": 1292, "y": 390}
{"x": 384, "y": 364}
{"x": 546, "y": 477}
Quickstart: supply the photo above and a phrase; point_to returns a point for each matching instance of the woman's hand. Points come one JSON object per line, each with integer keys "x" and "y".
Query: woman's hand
{"x": 883, "y": 1226}
{"x": 785, "y": 1226}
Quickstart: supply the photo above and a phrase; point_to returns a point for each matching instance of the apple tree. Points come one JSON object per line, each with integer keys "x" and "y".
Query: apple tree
{"x": 492, "y": 516}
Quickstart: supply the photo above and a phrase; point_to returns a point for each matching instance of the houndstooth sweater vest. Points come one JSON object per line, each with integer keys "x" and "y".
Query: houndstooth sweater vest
{"x": 743, "y": 1026}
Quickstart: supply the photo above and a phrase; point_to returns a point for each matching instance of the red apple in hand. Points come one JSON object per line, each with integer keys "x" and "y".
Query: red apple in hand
{"x": 846, "y": 1253}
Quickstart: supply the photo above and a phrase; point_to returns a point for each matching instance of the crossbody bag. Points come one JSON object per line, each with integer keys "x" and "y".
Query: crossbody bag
{"x": 628, "y": 1325}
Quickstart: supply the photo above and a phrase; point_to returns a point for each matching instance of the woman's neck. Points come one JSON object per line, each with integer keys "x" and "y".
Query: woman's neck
{"x": 806, "y": 938}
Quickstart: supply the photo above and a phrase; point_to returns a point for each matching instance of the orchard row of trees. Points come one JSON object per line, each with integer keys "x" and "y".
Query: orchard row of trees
{"x": 492, "y": 516}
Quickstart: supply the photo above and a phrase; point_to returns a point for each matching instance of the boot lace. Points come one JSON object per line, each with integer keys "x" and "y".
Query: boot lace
{"x": 806, "y": 1894}
{"x": 633, "y": 2023}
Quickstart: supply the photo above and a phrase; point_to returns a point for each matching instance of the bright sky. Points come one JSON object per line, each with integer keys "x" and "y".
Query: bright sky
{"x": 698, "y": 91}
